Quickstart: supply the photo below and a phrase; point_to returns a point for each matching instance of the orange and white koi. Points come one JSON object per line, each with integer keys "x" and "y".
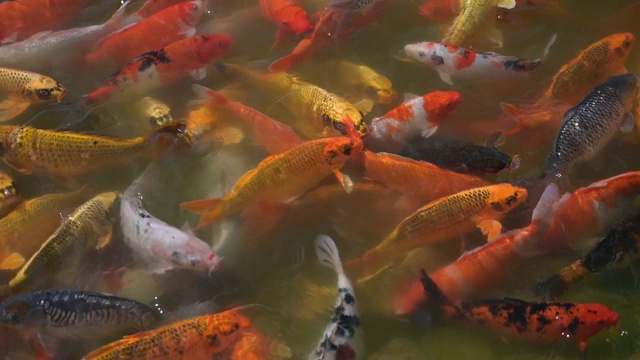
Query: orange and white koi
{"x": 281, "y": 177}
{"x": 167, "y": 26}
{"x": 288, "y": 15}
{"x": 271, "y": 134}
{"x": 160, "y": 68}
{"x": 453, "y": 62}
{"x": 419, "y": 116}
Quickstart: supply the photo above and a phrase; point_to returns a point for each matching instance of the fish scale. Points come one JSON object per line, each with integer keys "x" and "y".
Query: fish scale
{"x": 473, "y": 16}
{"x": 14, "y": 80}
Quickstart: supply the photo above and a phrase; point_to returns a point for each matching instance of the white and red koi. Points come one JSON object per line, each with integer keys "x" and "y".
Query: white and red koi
{"x": 460, "y": 63}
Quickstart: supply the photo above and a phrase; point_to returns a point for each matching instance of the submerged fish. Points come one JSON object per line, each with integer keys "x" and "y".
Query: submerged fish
{"x": 451, "y": 216}
{"x": 90, "y": 225}
{"x": 70, "y": 314}
{"x": 200, "y": 337}
{"x": 472, "y": 19}
{"x": 161, "y": 246}
{"x": 9, "y": 194}
{"x": 20, "y": 88}
{"x": 66, "y": 154}
{"x": 534, "y": 322}
{"x": 288, "y": 15}
{"x": 419, "y": 116}
{"x": 254, "y": 345}
{"x": 340, "y": 338}
{"x": 458, "y": 154}
{"x": 23, "y": 18}
{"x": 280, "y": 178}
{"x": 593, "y": 123}
{"x": 155, "y": 112}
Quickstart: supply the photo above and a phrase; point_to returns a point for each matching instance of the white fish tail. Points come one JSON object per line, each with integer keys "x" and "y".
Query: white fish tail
{"x": 545, "y": 204}
{"x": 120, "y": 19}
{"x": 328, "y": 254}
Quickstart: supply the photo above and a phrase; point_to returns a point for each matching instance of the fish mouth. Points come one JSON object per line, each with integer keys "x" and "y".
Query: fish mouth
{"x": 388, "y": 99}
{"x": 61, "y": 93}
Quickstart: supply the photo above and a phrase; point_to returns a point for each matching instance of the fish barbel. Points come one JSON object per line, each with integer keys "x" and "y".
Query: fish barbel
{"x": 90, "y": 225}
{"x": 200, "y": 337}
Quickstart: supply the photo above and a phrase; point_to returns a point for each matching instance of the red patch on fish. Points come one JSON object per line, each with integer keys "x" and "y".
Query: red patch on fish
{"x": 464, "y": 60}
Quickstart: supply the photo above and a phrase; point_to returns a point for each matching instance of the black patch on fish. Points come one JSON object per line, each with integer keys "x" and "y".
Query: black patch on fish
{"x": 213, "y": 340}
{"x": 518, "y": 65}
{"x": 573, "y": 326}
{"x": 437, "y": 59}
{"x": 620, "y": 242}
{"x": 152, "y": 58}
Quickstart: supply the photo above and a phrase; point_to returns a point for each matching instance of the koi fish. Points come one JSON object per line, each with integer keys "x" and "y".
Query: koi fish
{"x": 70, "y": 314}
{"x": 25, "y": 228}
{"x": 419, "y": 116}
{"x": 618, "y": 248}
{"x": 592, "y": 124}
{"x": 254, "y": 345}
{"x": 90, "y": 225}
{"x": 439, "y": 10}
{"x": 339, "y": 340}
{"x": 274, "y": 136}
{"x": 157, "y": 31}
{"x": 288, "y": 15}
{"x": 556, "y": 222}
{"x": 67, "y": 154}
{"x": 457, "y": 154}
{"x": 18, "y": 17}
{"x": 533, "y": 322}
{"x": 441, "y": 220}
{"x": 9, "y": 194}
{"x": 473, "y": 17}
{"x": 453, "y": 62}
{"x": 155, "y": 112}
{"x": 161, "y": 246}
{"x": 20, "y": 88}
{"x": 160, "y": 68}
{"x": 200, "y": 337}
{"x": 421, "y": 180}
{"x": 281, "y": 177}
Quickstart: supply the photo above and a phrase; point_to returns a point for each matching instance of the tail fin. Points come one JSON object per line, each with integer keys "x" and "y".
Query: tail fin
{"x": 434, "y": 295}
{"x": 210, "y": 210}
{"x": 120, "y": 20}
{"x": 328, "y": 254}
{"x": 212, "y": 96}
{"x": 168, "y": 140}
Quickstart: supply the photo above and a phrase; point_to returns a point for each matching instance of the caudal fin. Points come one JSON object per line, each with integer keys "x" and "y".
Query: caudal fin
{"x": 168, "y": 141}
{"x": 210, "y": 210}
{"x": 328, "y": 254}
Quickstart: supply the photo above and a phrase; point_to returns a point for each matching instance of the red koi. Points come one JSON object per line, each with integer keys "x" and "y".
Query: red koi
{"x": 169, "y": 25}
{"x": 151, "y": 7}
{"x": 288, "y": 15}
{"x": 534, "y": 322}
{"x": 271, "y": 134}
{"x": 440, "y": 10}
{"x": 160, "y": 68}
{"x": 23, "y": 18}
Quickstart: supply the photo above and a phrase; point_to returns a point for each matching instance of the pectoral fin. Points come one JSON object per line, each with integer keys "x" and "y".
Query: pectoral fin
{"x": 105, "y": 238}
{"x": 12, "y": 262}
{"x": 198, "y": 74}
{"x": 490, "y": 228}
{"x": 364, "y": 106}
{"x": 628, "y": 123}
{"x": 345, "y": 180}
{"x": 445, "y": 77}
{"x": 10, "y": 108}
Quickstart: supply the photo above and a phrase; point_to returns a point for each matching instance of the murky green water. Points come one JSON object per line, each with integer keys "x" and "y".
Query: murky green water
{"x": 279, "y": 270}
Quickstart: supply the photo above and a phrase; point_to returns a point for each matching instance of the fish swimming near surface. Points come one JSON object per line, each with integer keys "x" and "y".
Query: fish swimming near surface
{"x": 155, "y": 112}
{"x": 437, "y": 221}
{"x": 20, "y": 88}
{"x": 419, "y": 116}
{"x": 157, "y": 31}
{"x": 200, "y": 337}
{"x": 9, "y": 194}
{"x": 341, "y": 337}
{"x": 532, "y": 322}
{"x": 161, "y": 246}
{"x": 89, "y": 226}
{"x": 70, "y": 314}
{"x": 281, "y": 177}
{"x": 288, "y": 15}
{"x": 593, "y": 123}
{"x": 473, "y": 18}
{"x": 453, "y": 62}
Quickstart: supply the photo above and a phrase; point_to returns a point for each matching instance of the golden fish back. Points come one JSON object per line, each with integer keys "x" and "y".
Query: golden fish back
{"x": 474, "y": 16}
{"x": 13, "y": 81}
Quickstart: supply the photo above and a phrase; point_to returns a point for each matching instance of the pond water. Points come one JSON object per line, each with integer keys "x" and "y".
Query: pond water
{"x": 278, "y": 269}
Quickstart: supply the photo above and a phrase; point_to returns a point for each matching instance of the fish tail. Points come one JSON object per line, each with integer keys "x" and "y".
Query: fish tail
{"x": 212, "y": 96}
{"x": 119, "y": 19}
{"x": 328, "y": 254}
{"x": 210, "y": 210}
{"x": 168, "y": 140}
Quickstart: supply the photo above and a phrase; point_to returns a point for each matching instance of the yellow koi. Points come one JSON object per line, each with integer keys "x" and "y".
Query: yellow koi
{"x": 474, "y": 16}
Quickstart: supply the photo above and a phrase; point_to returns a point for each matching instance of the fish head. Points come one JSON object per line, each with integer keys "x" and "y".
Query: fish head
{"x": 213, "y": 45}
{"x": 626, "y": 87}
{"x": 505, "y": 197}
{"x": 227, "y": 326}
{"x": 8, "y": 189}
{"x": 593, "y": 318}
{"x": 295, "y": 20}
{"x": 380, "y": 88}
{"x": 195, "y": 254}
{"x": 16, "y": 311}
{"x": 422, "y": 52}
{"x": 348, "y": 121}
{"x": 43, "y": 89}
{"x": 339, "y": 149}
{"x": 621, "y": 45}
{"x": 192, "y": 11}
{"x": 438, "y": 104}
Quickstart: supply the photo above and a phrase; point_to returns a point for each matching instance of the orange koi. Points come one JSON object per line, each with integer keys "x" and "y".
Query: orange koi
{"x": 534, "y": 322}
{"x": 151, "y": 7}
{"x": 271, "y": 134}
{"x": 160, "y": 68}
{"x": 419, "y": 116}
{"x": 167, "y": 26}
{"x": 281, "y": 177}
{"x": 288, "y": 15}
{"x": 421, "y": 180}
{"x": 200, "y": 337}
{"x": 439, "y": 10}
{"x": 556, "y": 222}
{"x": 23, "y": 18}
{"x": 254, "y": 345}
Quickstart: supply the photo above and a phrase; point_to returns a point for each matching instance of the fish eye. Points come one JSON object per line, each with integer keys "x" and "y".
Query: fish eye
{"x": 338, "y": 126}
{"x": 43, "y": 93}
{"x": 371, "y": 90}
{"x": 510, "y": 200}
{"x": 285, "y": 23}
{"x": 346, "y": 149}
{"x": 422, "y": 53}
{"x": 220, "y": 43}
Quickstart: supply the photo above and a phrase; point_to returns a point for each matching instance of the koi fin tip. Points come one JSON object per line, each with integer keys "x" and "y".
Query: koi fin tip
{"x": 328, "y": 254}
